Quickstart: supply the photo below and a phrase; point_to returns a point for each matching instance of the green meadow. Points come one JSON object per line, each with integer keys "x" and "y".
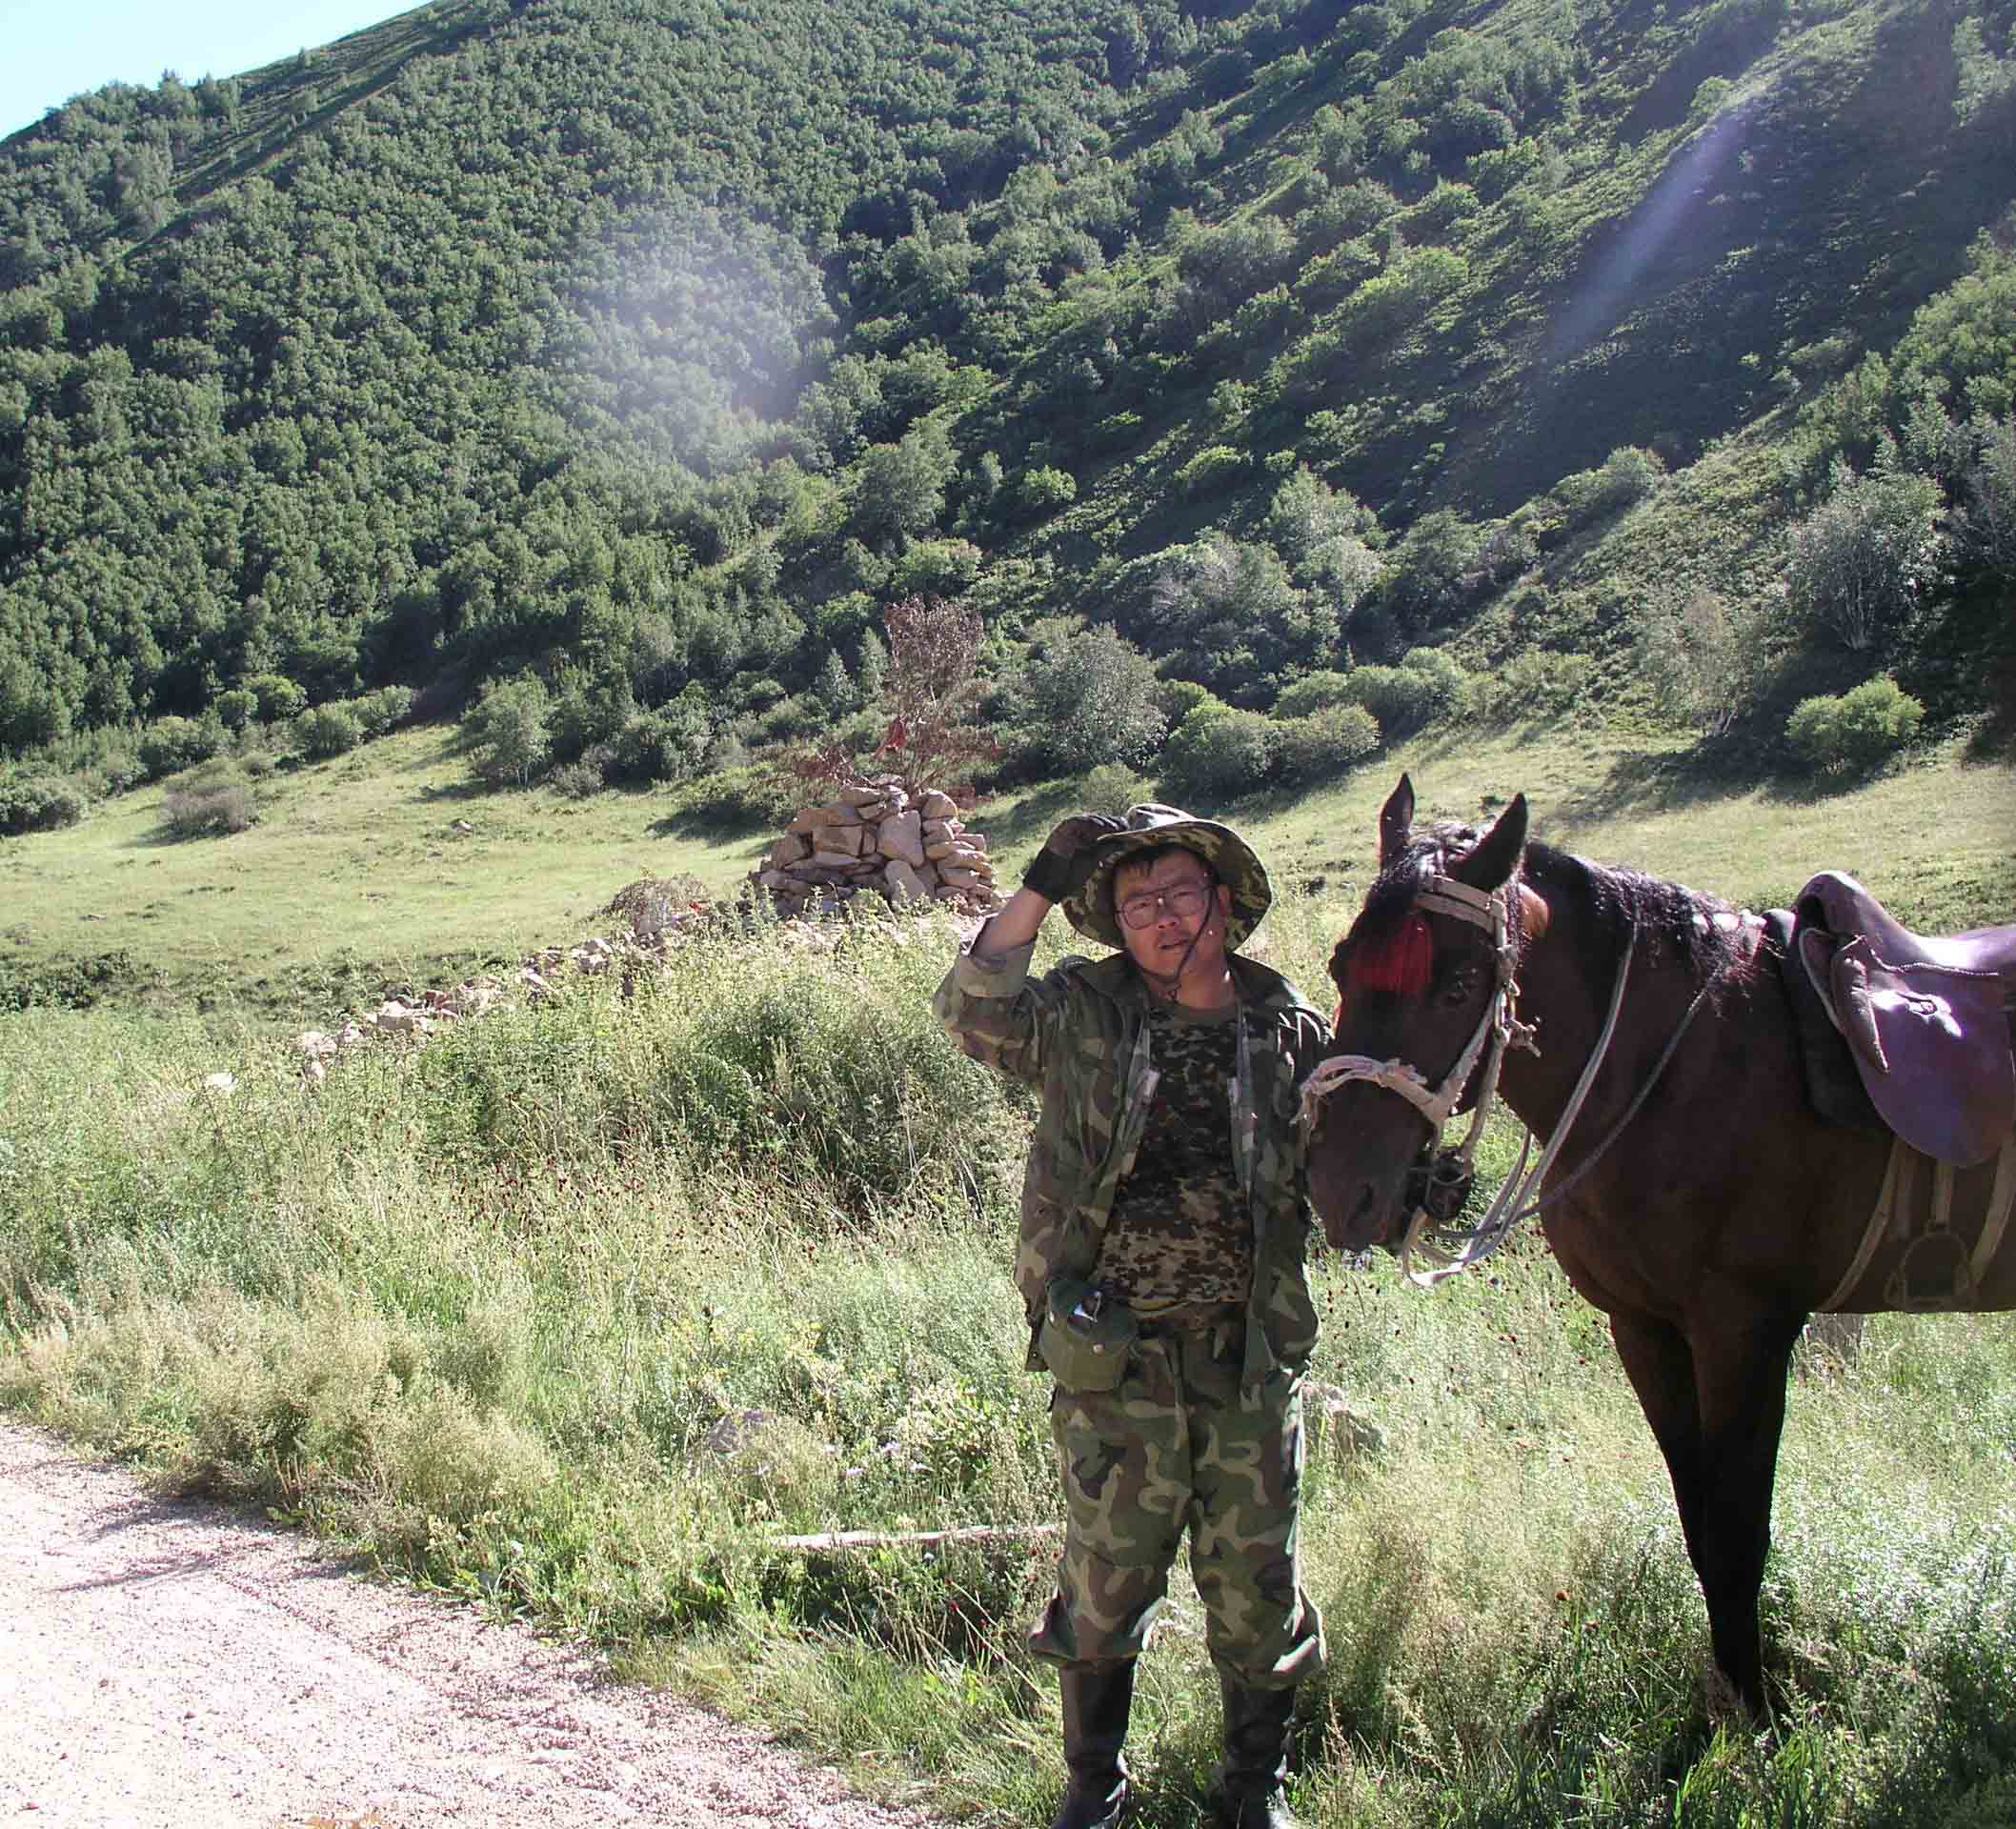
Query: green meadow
{"x": 578, "y": 1311}
{"x": 389, "y": 865}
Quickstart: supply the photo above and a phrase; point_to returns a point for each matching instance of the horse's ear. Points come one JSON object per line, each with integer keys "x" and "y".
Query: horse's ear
{"x": 1395, "y": 818}
{"x": 1494, "y": 856}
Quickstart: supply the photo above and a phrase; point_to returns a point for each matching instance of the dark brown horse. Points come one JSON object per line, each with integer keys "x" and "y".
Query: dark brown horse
{"x": 1696, "y": 1201}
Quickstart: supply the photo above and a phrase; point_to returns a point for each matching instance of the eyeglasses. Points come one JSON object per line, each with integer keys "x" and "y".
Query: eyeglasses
{"x": 1184, "y": 901}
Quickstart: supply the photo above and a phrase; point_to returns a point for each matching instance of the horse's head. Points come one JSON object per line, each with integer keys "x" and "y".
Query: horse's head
{"x": 1414, "y": 981}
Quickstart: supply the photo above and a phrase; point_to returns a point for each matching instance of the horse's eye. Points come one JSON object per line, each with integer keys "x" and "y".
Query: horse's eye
{"x": 1462, "y": 986}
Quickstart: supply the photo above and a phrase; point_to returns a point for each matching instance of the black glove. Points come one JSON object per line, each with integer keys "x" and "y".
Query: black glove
{"x": 1070, "y": 854}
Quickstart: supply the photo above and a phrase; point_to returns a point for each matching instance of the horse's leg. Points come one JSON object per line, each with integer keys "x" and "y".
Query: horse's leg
{"x": 1739, "y": 1372}
{"x": 1661, "y": 1367}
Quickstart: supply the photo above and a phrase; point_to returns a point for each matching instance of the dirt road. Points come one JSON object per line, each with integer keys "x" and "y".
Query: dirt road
{"x": 165, "y": 1664}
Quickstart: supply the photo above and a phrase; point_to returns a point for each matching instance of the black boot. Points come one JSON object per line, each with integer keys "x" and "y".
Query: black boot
{"x": 1256, "y": 1766}
{"x": 1096, "y": 1700}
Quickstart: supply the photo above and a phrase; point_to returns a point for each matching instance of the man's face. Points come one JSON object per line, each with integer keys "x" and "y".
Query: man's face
{"x": 1176, "y": 902}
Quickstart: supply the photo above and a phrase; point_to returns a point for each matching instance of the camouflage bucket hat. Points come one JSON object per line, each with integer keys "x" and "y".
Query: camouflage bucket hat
{"x": 1150, "y": 827}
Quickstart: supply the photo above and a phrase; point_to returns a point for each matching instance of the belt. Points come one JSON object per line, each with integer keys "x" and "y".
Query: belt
{"x": 1191, "y": 1318}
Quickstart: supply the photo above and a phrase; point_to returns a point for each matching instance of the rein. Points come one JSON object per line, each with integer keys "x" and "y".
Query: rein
{"x": 1446, "y": 1172}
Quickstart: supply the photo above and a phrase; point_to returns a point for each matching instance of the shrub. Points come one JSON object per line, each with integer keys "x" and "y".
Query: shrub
{"x": 1313, "y": 692}
{"x": 324, "y": 731}
{"x": 1176, "y": 698}
{"x": 1402, "y": 698}
{"x": 752, "y": 799}
{"x": 40, "y": 803}
{"x": 1701, "y": 656}
{"x": 1091, "y": 699}
{"x": 1323, "y": 745}
{"x": 279, "y": 697}
{"x": 1534, "y": 684}
{"x": 376, "y": 713}
{"x": 937, "y": 567}
{"x": 506, "y": 732}
{"x": 1217, "y": 753}
{"x": 1854, "y": 731}
{"x": 670, "y": 744}
{"x": 237, "y": 708}
{"x": 214, "y": 798}
{"x": 172, "y": 744}
{"x": 1111, "y": 788}
{"x": 1212, "y": 470}
{"x": 576, "y": 780}
{"x": 1448, "y": 679}
{"x": 1627, "y": 475}
{"x": 1858, "y": 563}
{"x": 1045, "y": 489}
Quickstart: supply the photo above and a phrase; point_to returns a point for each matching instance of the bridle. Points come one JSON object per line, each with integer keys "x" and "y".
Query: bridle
{"x": 1440, "y": 1178}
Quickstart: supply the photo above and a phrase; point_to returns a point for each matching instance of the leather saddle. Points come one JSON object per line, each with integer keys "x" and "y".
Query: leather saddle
{"x": 1929, "y": 1021}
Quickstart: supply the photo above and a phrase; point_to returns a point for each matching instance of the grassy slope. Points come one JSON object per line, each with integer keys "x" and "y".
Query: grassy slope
{"x": 357, "y": 870}
{"x": 357, "y": 857}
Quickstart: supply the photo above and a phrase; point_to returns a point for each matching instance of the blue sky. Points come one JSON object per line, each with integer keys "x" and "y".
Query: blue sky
{"x": 51, "y": 49}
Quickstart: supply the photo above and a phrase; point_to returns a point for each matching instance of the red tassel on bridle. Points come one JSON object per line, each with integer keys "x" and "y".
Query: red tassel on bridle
{"x": 1401, "y": 962}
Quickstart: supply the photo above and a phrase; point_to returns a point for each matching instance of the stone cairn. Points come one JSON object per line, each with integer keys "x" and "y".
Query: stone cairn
{"x": 873, "y": 838}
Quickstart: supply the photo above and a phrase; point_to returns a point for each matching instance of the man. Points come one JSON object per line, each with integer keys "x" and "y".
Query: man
{"x": 1162, "y": 1268}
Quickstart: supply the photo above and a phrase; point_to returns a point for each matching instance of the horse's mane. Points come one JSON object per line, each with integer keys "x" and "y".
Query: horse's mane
{"x": 1675, "y": 921}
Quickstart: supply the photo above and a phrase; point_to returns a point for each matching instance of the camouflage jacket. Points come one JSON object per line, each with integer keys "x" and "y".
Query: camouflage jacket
{"x": 1080, "y": 1034}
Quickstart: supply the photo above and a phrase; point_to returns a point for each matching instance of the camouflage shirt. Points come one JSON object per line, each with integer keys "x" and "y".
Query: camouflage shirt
{"x": 1179, "y": 1233}
{"x": 1081, "y": 1033}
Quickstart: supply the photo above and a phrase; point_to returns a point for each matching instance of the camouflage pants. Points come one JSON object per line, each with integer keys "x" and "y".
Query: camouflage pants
{"x": 1180, "y": 1445}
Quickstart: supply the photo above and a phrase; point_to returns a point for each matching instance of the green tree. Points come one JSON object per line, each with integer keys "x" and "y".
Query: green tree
{"x": 900, "y": 487}
{"x": 506, "y": 732}
{"x": 1089, "y": 697}
{"x": 1857, "y": 567}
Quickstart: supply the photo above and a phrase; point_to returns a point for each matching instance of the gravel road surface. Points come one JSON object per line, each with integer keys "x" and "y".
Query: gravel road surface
{"x": 173, "y": 1664}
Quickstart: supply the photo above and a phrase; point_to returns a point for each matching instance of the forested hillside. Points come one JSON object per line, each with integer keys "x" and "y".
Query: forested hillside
{"x": 1291, "y": 360}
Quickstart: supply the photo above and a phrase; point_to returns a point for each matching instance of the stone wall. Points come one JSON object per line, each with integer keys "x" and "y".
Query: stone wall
{"x": 875, "y": 839}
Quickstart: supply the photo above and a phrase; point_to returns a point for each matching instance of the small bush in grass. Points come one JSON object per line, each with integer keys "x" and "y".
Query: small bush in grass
{"x": 1218, "y": 755}
{"x": 376, "y": 713}
{"x": 508, "y": 732}
{"x": 324, "y": 731}
{"x": 172, "y": 744}
{"x": 213, "y": 798}
{"x": 1853, "y": 730}
{"x": 1858, "y": 565}
{"x": 1627, "y": 475}
{"x": 752, "y": 799}
{"x": 1324, "y": 745}
{"x": 40, "y": 803}
{"x": 1043, "y": 490}
{"x": 1534, "y": 684}
{"x": 1402, "y": 698}
{"x": 1111, "y": 788}
{"x": 1313, "y": 692}
{"x": 575, "y": 781}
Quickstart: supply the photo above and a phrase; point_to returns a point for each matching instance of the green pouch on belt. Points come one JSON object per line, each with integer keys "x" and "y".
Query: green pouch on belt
{"x": 1086, "y": 1338}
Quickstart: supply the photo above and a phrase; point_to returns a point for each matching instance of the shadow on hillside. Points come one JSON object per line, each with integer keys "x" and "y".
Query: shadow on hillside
{"x": 456, "y": 792}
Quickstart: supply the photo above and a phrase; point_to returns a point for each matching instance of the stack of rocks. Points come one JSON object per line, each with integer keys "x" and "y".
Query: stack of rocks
{"x": 875, "y": 839}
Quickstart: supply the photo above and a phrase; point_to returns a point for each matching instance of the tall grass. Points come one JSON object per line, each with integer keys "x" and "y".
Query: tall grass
{"x": 578, "y": 1308}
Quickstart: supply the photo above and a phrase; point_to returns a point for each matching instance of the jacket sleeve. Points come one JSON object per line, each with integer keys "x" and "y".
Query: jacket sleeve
{"x": 1000, "y": 1015}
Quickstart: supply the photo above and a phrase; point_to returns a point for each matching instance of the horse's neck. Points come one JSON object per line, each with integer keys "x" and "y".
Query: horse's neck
{"x": 1566, "y": 979}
